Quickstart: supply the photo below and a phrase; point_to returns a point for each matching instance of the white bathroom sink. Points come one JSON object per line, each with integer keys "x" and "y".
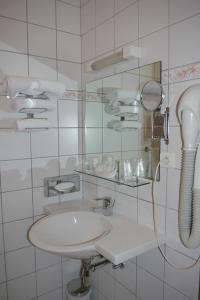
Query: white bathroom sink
{"x": 71, "y": 234}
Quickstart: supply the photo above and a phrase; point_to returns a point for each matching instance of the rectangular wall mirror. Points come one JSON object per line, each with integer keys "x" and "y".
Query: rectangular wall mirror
{"x": 118, "y": 128}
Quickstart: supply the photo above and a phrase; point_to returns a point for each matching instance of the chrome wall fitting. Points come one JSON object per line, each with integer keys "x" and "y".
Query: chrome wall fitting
{"x": 65, "y": 184}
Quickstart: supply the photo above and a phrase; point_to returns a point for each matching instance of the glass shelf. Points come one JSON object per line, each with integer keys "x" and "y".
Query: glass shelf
{"x": 134, "y": 182}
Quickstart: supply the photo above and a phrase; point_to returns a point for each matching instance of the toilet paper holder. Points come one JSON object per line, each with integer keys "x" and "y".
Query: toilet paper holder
{"x": 58, "y": 185}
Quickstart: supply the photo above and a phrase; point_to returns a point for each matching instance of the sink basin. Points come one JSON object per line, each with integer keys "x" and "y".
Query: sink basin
{"x": 71, "y": 234}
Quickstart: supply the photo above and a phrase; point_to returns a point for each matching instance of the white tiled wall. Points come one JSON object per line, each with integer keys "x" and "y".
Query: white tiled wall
{"x": 167, "y": 30}
{"x": 39, "y": 38}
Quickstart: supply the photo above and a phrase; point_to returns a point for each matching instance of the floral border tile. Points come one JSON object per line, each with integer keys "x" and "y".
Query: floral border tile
{"x": 188, "y": 72}
{"x": 91, "y": 96}
{"x": 73, "y": 95}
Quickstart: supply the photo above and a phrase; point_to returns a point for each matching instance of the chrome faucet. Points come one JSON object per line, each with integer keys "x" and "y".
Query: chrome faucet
{"x": 107, "y": 207}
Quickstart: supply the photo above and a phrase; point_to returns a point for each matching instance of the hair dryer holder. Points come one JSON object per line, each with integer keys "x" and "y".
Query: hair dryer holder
{"x": 160, "y": 126}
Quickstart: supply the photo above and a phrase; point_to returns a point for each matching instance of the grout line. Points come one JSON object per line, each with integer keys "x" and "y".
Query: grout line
{"x": 146, "y": 35}
{"x": 40, "y": 25}
{"x": 35, "y": 263}
{"x": 108, "y": 19}
{"x": 67, "y": 3}
{"x": 51, "y": 291}
{"x": 38, "y": 56}
{"x": 3, "y": 237}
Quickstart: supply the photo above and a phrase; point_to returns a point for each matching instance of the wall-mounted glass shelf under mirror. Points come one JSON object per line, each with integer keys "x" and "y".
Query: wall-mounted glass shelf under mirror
{"x": 134, "y": 182}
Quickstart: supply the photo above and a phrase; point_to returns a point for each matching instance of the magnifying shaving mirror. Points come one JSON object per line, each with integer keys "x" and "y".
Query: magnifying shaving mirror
{"x": 152, "y": 96}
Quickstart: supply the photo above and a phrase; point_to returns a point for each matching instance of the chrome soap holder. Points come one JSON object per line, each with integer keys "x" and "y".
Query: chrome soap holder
{"x": 50, "y": 184}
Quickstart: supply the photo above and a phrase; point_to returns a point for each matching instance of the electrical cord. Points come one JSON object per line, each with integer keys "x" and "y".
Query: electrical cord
{"x": 156, "y": 232}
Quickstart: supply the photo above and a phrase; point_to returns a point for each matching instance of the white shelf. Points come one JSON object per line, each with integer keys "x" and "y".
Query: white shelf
{"x": 126, "y": 240}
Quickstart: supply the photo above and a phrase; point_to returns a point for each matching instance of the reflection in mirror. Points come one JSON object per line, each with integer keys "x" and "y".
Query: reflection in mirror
{"x": 151, "y": 95}
{"x": 118, "y": 143}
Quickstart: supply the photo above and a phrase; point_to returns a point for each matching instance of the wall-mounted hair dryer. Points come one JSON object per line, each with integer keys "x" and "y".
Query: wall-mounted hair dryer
{"x": 189, "y": 196}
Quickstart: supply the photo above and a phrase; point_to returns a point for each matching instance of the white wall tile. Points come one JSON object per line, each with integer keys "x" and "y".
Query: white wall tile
{"x": 52, "y": 115}
{"x": 20, "y": 262}
{"x": 73, "y": 2}
{"x": 17, "y": 205}
{"x": 13, "y": 9}
{"x": 68, "y": 18}
{"x": 155, "y": 48}
{"x": 49, "y": 145}
{"x": 105, "y": 37}
{"x": 127, "y": 276}
{"x": 44, "y": 68}
{"x": 173, "y": 185}
{"x": 15, "y": 234}
{"x": 3, "y": 291}
{"x": 44, "y": 167}
{"x": 127, "y": 190}
{"x": 93, "y": 114}
{"x": 68, "y": 113}
{"x": 1, "y": 212}
{"x": 153, "y": 262}
{"x": 93, "y": 140}
{"x": 2, "y": 269}
{"x": 55, "y": 295}
{"x": 70, "y": 74}
{"x": 153, "y": 15}
{"x": 83, "y": 2}
{"x": 16, "y": 174}
{"x": 144, "y": 192}
{"x": 181, "y": 9}
{"x": 1, "y": 239}
{"x": 68, "y": 164}
{"x": 23, "y": 288}
{"x": 13, "y": 35}
{"x": 175, "y": 145}
{"x": 88, "y": 16}
{"x": 171, "y": 293}
{"x": 8, "y": 115}
{"x": 42, "y": 41}
{"x": 126, "y": 25}
{"x": 148, "y": 286}
{"x": 129, "y": 140}
{"x": 45, "y": 259}
{"x": 18, "y": 141}
{"x": 13, "y": 64}
{"x": 109, "y": 134}
{"x": 68, "y": 139}
{"x": 70, "y": 269}
{"x": 122, "y": 293}
{"x": 89, "y": 191}
{"x": 184, "y": 42}
{"x": 126, "y": 205}
{"x": 49, "y": 279}
{"x": 39, "y": 200}
{"x": 106, "y": 285}
{"x": 104, "y": 10}
{"x": 41, "y": 12}
{"x": 121, "y": 4}
{"x": 145, "y": 215}
{"x": 114, "y": 81}
{"x": 69, "y": 47}
{"x": 88, "y": 45}
{"x": 187, "y": 281}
